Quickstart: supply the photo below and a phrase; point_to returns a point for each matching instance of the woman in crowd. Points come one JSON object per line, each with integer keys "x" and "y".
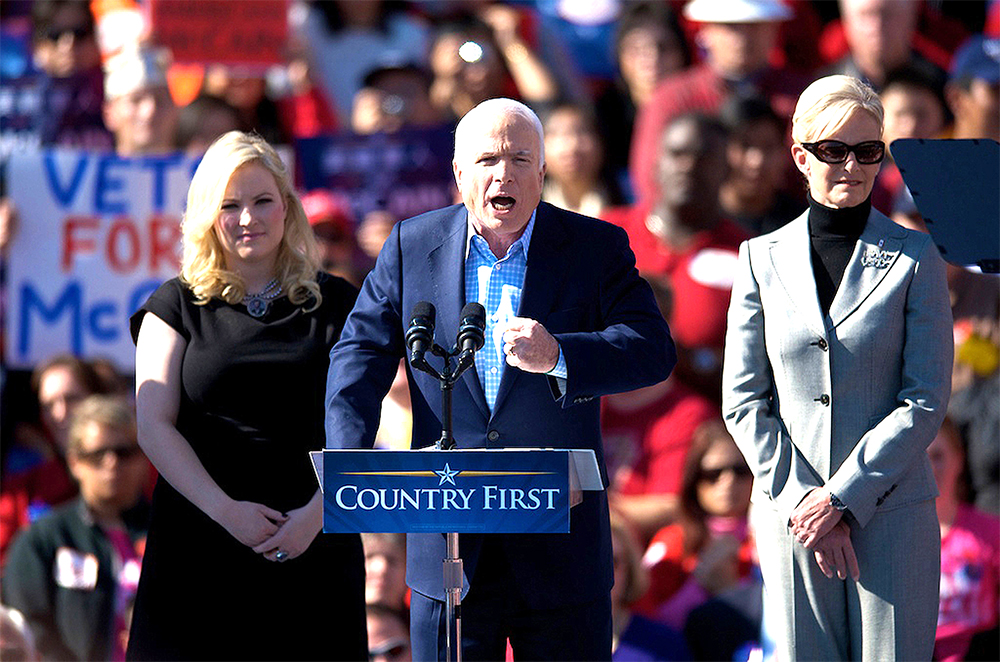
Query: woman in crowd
{"x": 481, "y": 55}
{"x": 970, "y": 558}
{"x": 231, "y": 362}
{"x": 836, "y": 377}
{"x": 649, "y": 46}
{"x": 574, "y": 159}
{"x": 709, "y": 550}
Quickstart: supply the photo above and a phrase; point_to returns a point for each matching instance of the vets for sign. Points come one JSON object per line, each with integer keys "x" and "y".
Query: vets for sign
{"x": 98, "y": 233}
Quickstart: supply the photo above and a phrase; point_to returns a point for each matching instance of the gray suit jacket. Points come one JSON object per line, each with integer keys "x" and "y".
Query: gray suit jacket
{"x": 850, "y": 400}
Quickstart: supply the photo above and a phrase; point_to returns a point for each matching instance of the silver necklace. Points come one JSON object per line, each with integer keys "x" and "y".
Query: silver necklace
{"x": 258, "y": 304}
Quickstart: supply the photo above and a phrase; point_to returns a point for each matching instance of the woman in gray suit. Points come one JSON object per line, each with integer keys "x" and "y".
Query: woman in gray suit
{"x": 836, "y": 378}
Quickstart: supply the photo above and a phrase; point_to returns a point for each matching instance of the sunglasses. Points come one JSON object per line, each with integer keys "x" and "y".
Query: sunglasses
{"x": 96, "y": 457}
{"x": 713, "y": 475}
{"x": 834, "y": 151}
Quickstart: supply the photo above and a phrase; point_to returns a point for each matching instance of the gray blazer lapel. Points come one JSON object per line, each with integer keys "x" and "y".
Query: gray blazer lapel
{"x": 542, "y": 280}
{"x": 790, "y": 259}
{"x": 874, "y": 254}
{"x": 446, "y": 266}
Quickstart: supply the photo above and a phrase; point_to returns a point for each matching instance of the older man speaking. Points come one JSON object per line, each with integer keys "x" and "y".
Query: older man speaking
{"x": 568, "y": 320}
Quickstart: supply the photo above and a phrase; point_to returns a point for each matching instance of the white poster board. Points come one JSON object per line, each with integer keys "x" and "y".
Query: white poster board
{"x": 98, "y": 233}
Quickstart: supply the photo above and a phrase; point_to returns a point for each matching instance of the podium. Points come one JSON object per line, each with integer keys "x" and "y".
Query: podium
{"x": 511, "y": 490}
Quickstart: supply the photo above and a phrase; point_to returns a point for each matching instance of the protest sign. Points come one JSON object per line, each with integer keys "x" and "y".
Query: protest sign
{"x": 36, "y": 109}
{"x": 405, "y": 173}
{"x": 233, "y": 33}
{"x": 98, "y": 234}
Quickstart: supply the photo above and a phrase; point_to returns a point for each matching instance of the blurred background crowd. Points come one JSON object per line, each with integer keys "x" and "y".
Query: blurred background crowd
{"x": 666, "y": 117}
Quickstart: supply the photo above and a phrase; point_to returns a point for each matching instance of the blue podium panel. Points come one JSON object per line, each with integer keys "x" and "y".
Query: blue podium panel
{"x": 482, "y": 491}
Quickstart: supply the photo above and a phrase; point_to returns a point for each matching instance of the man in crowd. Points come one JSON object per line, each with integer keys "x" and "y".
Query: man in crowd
{"x": 73, "y": 573}
{"x": 138, "y": 107}
{"x": 973, "y": 90}
{"x": 738, "y": 37}
{"x": 880, "y": 36}
{"x": 684, "y": 236}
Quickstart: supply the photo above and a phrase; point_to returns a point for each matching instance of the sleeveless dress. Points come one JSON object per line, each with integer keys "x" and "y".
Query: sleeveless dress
{"x": 252, "y": 407}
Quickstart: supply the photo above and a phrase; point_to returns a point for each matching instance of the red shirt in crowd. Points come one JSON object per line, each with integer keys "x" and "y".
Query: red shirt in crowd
{"x": 645, "y": 448}
{"x": 970, "y": 581}
{"x": 670, "y": 567}
{"x": 701, "y": 275}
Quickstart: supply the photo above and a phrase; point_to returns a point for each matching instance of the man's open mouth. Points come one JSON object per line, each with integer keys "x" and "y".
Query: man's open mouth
{"x": 502, "y": 202}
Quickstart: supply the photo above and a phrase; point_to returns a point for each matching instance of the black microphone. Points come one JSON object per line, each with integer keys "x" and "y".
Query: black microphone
{"x": 420, "y": 335}
{"x": 471, "y": 335}
{"x": 472, "y": 328}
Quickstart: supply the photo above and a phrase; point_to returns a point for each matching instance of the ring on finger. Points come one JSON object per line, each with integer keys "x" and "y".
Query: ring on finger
{"x": 280, "y": 556}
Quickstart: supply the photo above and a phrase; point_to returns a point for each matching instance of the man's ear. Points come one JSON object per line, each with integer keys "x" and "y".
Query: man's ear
{"x": 457, "y": 172}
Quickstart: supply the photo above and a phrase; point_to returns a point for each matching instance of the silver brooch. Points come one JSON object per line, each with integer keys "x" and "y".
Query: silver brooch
{"x": 876, "y": 257}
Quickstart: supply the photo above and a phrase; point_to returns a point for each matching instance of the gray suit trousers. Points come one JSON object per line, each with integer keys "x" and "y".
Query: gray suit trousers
{"x": 889, "y": 614}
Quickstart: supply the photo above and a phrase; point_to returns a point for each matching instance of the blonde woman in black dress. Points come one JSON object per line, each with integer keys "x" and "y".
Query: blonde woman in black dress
{"x": 231, "y": 363}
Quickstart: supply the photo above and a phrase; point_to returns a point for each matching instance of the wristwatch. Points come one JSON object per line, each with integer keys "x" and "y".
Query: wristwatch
{"x": 836, "y": 503}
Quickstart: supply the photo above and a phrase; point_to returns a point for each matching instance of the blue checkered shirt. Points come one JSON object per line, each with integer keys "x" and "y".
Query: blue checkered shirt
{"x": 497, "y": 284}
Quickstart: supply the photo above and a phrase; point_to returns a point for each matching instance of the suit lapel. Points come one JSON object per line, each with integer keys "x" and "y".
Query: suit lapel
{"x": 446, "y": 265}
{"x": 874, "y": 254}
{"x": 790, "y": 258}
{"x": 543, "y": 280}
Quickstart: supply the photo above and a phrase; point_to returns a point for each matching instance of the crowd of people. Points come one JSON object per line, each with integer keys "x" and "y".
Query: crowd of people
{"x": 670, "y": 119}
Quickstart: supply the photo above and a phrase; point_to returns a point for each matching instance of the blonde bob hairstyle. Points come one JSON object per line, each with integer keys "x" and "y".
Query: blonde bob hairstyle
{"x": 203, "y": 266}
{"x": 828, "y": 103}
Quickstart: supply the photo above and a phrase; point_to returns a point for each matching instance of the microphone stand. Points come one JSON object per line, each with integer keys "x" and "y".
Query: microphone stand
{"x": 453, "y": 567}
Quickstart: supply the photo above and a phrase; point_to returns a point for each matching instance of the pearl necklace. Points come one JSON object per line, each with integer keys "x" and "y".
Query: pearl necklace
{"x": 258, "y": 304}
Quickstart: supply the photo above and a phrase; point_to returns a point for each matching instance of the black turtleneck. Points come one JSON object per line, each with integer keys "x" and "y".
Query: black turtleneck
{"x": 833, "y": 234}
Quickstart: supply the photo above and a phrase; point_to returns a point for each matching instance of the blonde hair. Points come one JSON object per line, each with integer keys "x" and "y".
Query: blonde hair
{"x": 203, "y": 265}
{"x": 829, "y": 102}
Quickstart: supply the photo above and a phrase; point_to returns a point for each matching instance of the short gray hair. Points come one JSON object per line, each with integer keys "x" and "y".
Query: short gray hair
{"x": 495, "y": 108}
{"x": 828, "y": 102}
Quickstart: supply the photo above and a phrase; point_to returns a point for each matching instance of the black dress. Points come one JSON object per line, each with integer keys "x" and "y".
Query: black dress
{"x": 252, "y": 407}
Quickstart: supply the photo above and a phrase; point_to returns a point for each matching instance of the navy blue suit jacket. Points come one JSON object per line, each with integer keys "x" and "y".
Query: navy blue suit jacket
{"x": 581, "y": 284}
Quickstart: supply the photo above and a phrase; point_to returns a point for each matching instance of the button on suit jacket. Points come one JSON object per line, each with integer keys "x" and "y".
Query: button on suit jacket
{"x": 581, "y": 284}
{"x": 850, "y": 400}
